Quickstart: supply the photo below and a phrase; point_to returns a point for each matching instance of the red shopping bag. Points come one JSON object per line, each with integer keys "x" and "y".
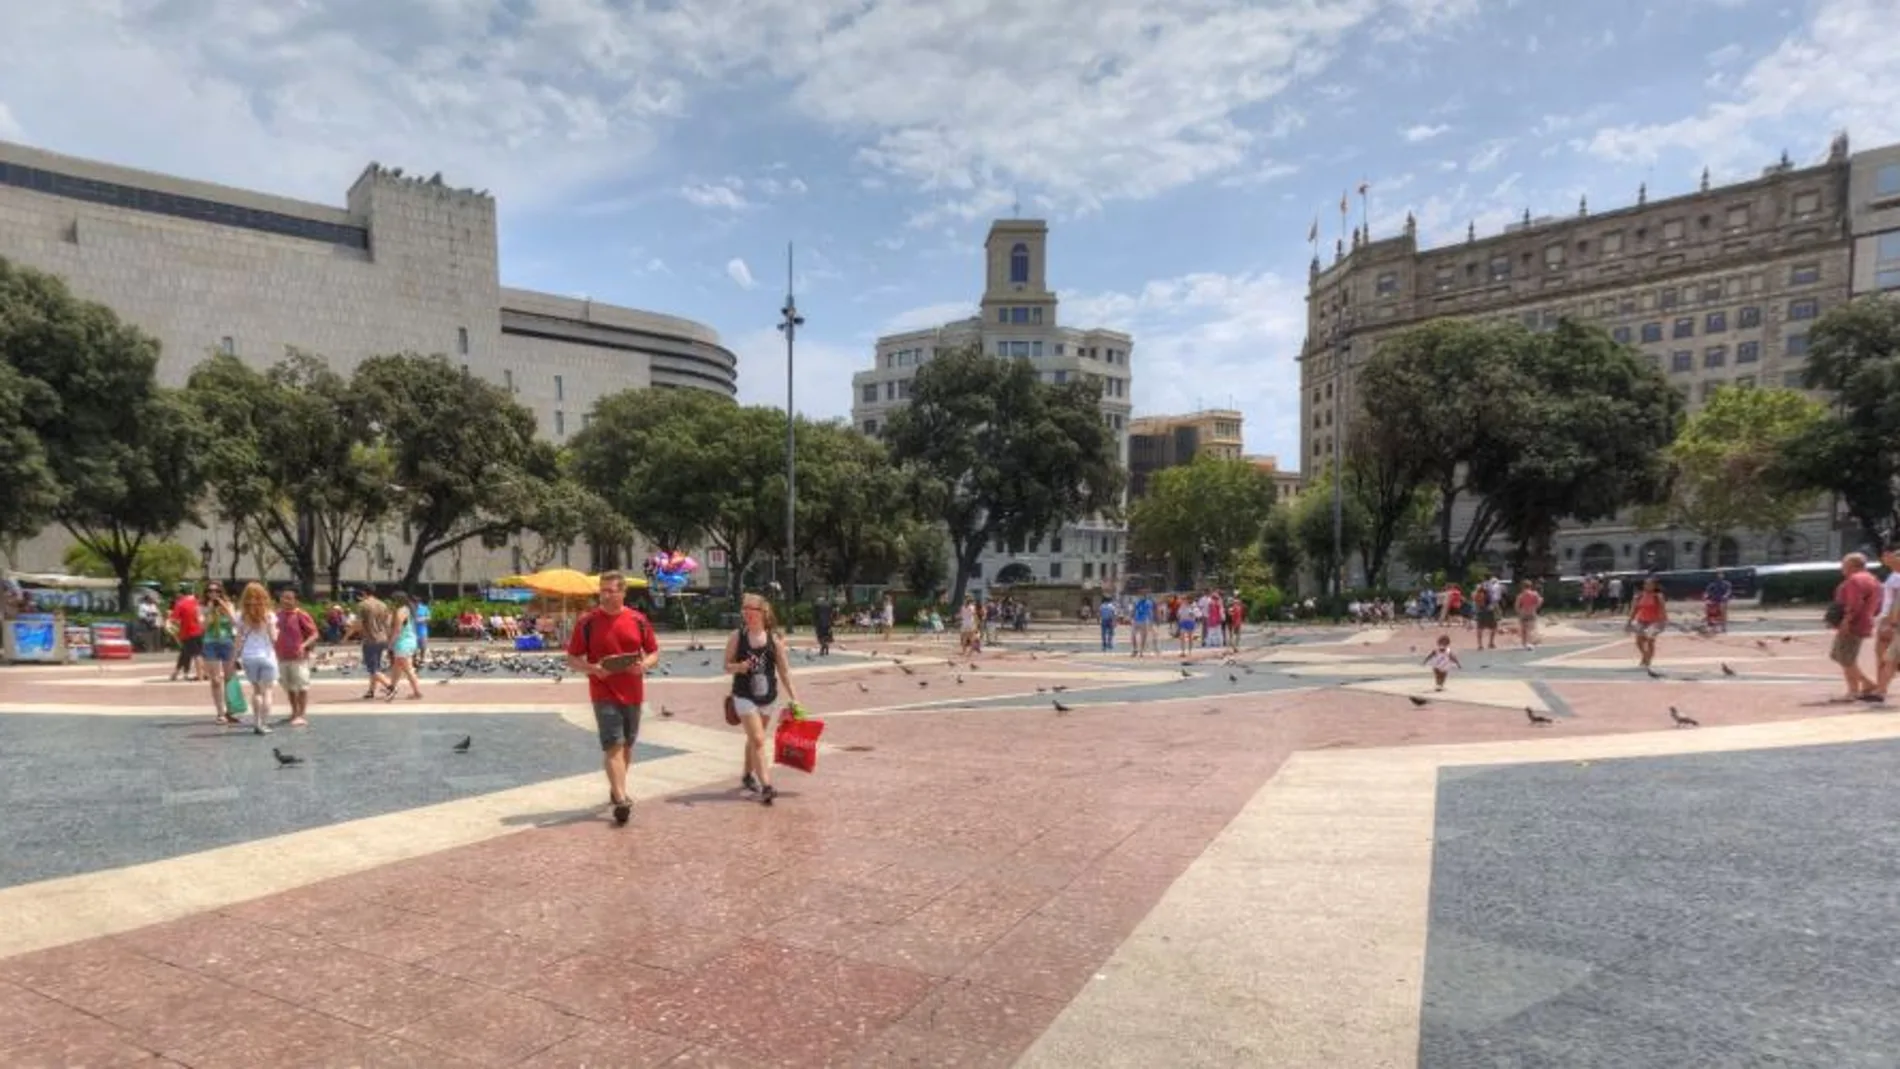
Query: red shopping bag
{"x": 796, "y": 743}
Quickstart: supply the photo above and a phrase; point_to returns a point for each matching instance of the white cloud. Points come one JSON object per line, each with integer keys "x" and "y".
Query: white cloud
{"x": 1724, "y": 55}
{"x": 1208, "y": 340}
{"x": 726, "y": 193}
{"x": 10, "y": 127}
{"x": 822, "y": 370}
{"x": 1487, "y": 157}
{"x": 1265, "y": 173}
{"x": 1423, "y": 132}
{"x": 930, "y": 315}
{"x": 1840, "y": 71}
{"x": 737, "y": 271}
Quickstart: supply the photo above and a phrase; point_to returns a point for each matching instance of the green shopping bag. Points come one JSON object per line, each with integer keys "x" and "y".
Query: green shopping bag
{"x": 234, "y": 702}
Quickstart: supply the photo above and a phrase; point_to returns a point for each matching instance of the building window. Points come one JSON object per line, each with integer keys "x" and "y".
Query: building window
{"x": 227, "y": 345}
{"x": 1715, "y": 356}
{"x": 1748, "y": 352}
{"x": 1682, "y": 360}
{"x": 1061, "y": 377}
{"x": 1019, "y": 315}
{"x": 1793, "y": 380}
{"x": 1554, "y": 255}
{"x": 1055, "y": 569}
{"x": 1444, "y": 278}
{"x": 461, "y": 340}
{"x": 586, "y": 419}
{"x": 1019, "y": 348}
{"x": 1088, "y": 569}
{"x": 1002, "y": 315}
{"x": 1035, "y": 348}
{"x": 1672, "y": 231}
{"x": 1887, "y": 180}
{"x": 1887, "y": 259}
{"x": 1002, "y": 348}
{"x": 1035, "y": 314}
{"x": 1804, "y": 274}
{"x": 1807, "y": 203}
{"x": 1737, "y": 217}
{"x": 1613, "y": 243}
{"x": 890, "y": 391}
{"x": 1806, "y": 308}
{"x": 1622, "y": 335}
{"x": 560, "y": 389}
{"x": 867, "y": 393}
{"x": 560, "y": 423}
{"x": 1796, "y": 345}
{"x": 1652, "y": 332}
{"x": 1715, "y": 323}
{"x": 1500, "y": 268}
{"x": 1019, "y": 263}
{"x": 1749, "y": 317}
{"x": 1670, "y": 297}
{"x": 1388, "y": 285}
{"x": 1684, "y": 328}
{"x": 508, "y": 379}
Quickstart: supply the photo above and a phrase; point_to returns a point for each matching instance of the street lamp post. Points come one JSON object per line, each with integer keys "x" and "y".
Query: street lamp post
{"x": 205, "y": 552}
{"x": 1339, "y": 456}
{"x": 789, "y": 322}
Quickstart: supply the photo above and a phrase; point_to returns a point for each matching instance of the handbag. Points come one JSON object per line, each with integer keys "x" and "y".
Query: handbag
{"x": 234, "y": 702}
{"x": 796, "y": 743}
{"x": 732, "y": 712}
{"x": 1836, "y": 612}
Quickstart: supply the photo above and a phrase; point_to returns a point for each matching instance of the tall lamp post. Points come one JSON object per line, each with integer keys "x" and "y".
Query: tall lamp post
{"x": 205, "y": 552}
{"x": 789, "y": 322}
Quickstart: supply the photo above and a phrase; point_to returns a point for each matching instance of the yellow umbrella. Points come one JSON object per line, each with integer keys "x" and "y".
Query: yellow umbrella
{"x": 562, "y": 583}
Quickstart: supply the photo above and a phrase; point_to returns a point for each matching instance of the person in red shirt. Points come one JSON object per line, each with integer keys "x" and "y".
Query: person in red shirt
{"x": 1528, "y": 602}
{"x": 1648, "y": 618}
{"x": 1858, "y": 597}
{"x": 296, "y": 633}
{"x": 187, "y": 625}
{"x": 615, "y": 647}
{"x": 1236, "y": 615}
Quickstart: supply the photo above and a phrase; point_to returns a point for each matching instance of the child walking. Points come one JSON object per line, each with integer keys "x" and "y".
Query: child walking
{"x": 1442, "y": 660}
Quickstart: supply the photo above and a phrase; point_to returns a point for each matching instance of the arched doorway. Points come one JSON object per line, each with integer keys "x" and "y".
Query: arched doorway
{"x": 1791, "y": 548}
{"x": 1598, "y": 557}
{"x": 1659, "y": 555}
{"x": 1728, "y": 553}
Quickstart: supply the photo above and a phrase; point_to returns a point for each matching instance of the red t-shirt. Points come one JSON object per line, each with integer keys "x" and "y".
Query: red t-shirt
{"x": 1236, "y": 613}
{"x": 185, "y": 614}
{"x": 294, "y": 628}
{"x": 598, "y": 636}
{"x": 1859, "y": 595}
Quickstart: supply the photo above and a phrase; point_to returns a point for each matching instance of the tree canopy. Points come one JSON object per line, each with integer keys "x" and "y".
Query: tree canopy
{"x": 1201, "y": 515}
{"x": 1854, "y": 449}
{"x": 997, "y": 452}
{"x": 1724, "y": 465}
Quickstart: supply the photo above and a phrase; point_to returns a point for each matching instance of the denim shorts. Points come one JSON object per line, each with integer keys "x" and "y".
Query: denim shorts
{"x": 218, "y": 651}
{"x": 619, "y": 724}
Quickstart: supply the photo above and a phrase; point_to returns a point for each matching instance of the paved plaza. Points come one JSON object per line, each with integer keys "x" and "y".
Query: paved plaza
{"x": 1275, "y": 859}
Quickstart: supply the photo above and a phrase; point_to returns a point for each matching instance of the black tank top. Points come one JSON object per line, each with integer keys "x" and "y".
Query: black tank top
{"x": 759, "y": 686}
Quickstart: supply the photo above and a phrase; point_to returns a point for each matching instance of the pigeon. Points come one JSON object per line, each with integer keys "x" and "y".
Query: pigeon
{"x": 1727, "y": 671}
{"x": 907, "y": 669}
{"x": 1762, "y": 642}
{"x": 923, "y": 683}
{"x": 1787, "y": 638}
{"x": 557, "y": 679}
{"x": 285, "y": 759}
{"x": 1042, "y": 690}
{"x": 665, "y": 712}
{"x": 1060, "y": 687}
{"x": 1061, "y": 708}
{"x": 862, "y": 689}
{"x": 1232, "y": 678}
{"x": 1681, "y": 720}
{"x": 462, "y": 747}
{"x": 1185, "y": 674}
{"x": 442, "y": 682}
{"x": 1537, "y": 719}
{"x": 1418, "y": 701}
{"x": 707, "y": 663}
{"x": 1653, "y": 674}
{"x": 959, "y": 679}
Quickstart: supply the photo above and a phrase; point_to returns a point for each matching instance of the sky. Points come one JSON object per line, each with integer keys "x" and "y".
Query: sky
{"x": 661, "y": 154}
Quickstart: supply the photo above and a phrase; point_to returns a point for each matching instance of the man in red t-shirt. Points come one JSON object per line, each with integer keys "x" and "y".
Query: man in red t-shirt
{"x": 1859, "y": 599}
{"x": 614, "y": 646}
{"x": 187, "y": 626}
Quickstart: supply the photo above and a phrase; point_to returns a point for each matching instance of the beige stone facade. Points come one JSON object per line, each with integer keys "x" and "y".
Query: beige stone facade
{"x": 1873, "y": 197}
{"x": 408, "y": 264}
{"x": 1018, "y": 317}
{"x": 1719, "y": 287}
{"x": 1157, "y": 442}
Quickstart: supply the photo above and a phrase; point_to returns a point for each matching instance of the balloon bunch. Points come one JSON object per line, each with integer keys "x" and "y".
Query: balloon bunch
{"x": 671, "y": 569}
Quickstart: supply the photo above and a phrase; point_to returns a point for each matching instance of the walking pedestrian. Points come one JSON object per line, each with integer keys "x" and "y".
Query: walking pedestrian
{"x": 220, "y": 624}
{"x": 1107, "y": 613}
{"x": 254, "y": 643}
{"x": 614, "y": 645}
{"x": 1648, "y": 617}
{"x": 402, "y": 653}
{"x": 755, "y": 658}
{"x": 1886, "y": 643}
{"x": 186, "y": 624}
{"x": 1856, "y": 603}
{"x": 1529, "y": 601}
{"x": 372, "y": 628}
{"x": 296, "y": 634}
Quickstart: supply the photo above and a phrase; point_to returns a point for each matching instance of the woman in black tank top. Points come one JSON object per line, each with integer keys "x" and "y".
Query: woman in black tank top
{"x": 755, "y": 658}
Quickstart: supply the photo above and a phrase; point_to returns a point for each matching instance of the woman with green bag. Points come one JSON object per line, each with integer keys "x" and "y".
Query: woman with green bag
{"x": 220, "y": 622}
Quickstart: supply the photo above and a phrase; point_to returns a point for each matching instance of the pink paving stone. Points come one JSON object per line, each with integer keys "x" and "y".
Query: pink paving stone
{"x": 906, "y": 1047}
{"x": 383, "y": 996}
{"x": 90, "y": 1044}
{"x": 494, "y": 1027}
{"x": 595, "y": 986}
{"x": 1044, "y": 957}
{"x": 987, "y": 1016}
{"x": 269, "y": 1034}
{"x": 618, "y": 1047}
{"x": 496, "y": 959}
{"x": 23, "y": 1012}
{"x": 389, "y": 932}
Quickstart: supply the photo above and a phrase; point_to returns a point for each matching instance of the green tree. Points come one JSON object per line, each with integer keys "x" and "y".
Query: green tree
{"x": 1723, "y": 465}
{"x": 1280, "y": 544}
{"x": 1589, "y": 420}
{"x": 997, "y": 452}
{"x": 1385, "y": 485}
{"x": 922, "y": 552}
{"x": 28, "y": 490}
{"x": 465, "y": 462}
{"x": 1201, "y": 515}
{"x": 125, "y": 455}
{"x": 164, "y": 563}
{"x": 852, "y": 506}
{"x": 1855, "y": 450}
{"x": 1312, "y": 529}
{"x": 1434, "y": 398}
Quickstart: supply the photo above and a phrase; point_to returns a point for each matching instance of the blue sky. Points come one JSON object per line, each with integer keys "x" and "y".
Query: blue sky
{"x": 661, "y": 154}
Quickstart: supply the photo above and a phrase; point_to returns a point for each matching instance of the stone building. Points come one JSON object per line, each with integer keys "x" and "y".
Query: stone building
{"x": 1157, "y": 442}
{"x": 1017, "y": 317}
{"x": 1718, "y": 287}
{"x": 407, "y": 264}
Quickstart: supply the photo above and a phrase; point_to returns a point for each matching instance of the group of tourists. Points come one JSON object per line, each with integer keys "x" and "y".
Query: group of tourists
{"x": 270, "y": 645}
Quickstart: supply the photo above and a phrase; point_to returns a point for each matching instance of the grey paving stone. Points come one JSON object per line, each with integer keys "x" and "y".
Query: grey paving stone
{"x": 1713, "y": 910}
{"x": 87, "y": 793}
